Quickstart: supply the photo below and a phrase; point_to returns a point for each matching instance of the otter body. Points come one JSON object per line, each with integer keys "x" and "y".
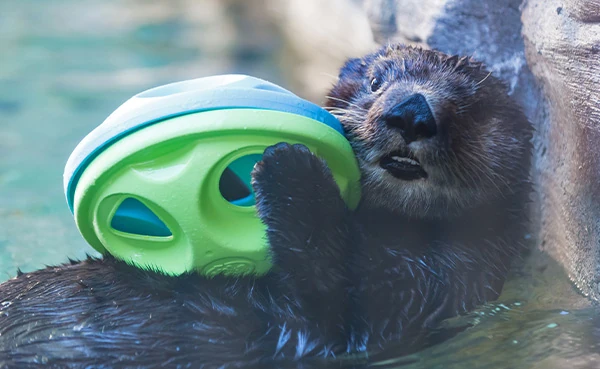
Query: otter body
{"x": 444, "y": 156}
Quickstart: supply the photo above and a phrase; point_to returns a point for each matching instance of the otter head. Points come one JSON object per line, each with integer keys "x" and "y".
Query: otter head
{"x": 434, "y": 134}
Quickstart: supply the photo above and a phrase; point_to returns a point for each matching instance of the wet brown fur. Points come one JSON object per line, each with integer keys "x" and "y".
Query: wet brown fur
{"x": 343, "y": 282}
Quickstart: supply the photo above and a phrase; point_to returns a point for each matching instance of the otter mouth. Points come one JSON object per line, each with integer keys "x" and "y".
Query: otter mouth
{"x": 403, "y": 166}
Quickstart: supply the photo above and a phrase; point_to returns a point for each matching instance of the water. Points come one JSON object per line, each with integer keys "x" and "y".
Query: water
{"x": 66, "y": 64}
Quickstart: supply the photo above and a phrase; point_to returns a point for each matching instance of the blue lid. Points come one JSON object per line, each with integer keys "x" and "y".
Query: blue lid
{"x": 185, "y": 97}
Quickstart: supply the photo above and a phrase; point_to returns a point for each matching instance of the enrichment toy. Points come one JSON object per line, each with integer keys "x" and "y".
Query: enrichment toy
{"x": 164, "y": 182}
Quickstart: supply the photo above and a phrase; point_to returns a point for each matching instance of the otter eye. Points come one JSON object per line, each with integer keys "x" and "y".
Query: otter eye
{"x": 375, "y": 84}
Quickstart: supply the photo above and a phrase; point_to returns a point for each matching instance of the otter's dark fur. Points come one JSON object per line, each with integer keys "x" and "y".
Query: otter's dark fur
{"x": 433, "y": 237}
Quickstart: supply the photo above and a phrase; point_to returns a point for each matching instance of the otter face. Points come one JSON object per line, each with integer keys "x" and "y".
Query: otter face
{"x": 434, "y": 134}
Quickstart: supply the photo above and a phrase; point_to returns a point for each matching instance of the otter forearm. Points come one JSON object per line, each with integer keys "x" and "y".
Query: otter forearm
{"x": 308, "y": 226}
{"x": 406, "y": 291}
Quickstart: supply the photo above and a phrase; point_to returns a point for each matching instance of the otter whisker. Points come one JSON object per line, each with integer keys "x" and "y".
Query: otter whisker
{"x": 334, "y": 78}
{"x": 346, "y": 112}
{"x": 483, "y": 80}
{"x": 485, "y": 172}
{"x": 348, "y": 118}
{"x": 345, "y": 102}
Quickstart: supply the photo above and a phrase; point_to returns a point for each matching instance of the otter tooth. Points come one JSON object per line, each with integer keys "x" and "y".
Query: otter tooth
{"x": 404, "y": 160}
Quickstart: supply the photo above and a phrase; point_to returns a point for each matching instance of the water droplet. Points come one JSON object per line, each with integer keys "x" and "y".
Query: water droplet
{"x": 515, "y": 342}
{"x": 517, "y": 304}
{"x": 552, "y": 325}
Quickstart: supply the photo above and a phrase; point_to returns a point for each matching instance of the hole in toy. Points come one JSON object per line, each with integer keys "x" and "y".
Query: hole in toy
{"x": 235, "y": 182}
{"x": 134, "y": 217}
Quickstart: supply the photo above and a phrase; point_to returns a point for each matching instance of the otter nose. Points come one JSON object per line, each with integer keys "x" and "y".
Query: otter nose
{"x": 413, "y": 118}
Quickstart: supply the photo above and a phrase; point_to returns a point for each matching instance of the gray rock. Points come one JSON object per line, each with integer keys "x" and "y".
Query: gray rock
{"x": 562, "y": 40}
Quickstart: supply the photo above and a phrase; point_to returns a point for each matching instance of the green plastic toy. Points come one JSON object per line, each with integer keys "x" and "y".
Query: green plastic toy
{"x": 164, "y": 182}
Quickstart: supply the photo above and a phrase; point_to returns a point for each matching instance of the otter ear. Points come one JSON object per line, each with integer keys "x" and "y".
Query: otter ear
{"x": 353, "y": 69}
{"x": 349, "y": 83}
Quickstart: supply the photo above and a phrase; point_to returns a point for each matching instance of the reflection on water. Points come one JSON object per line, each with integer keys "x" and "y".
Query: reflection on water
{"x": 67, "y": 64}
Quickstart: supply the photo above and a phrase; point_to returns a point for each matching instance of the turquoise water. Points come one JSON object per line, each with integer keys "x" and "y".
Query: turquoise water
{"x": 66, "y": 64}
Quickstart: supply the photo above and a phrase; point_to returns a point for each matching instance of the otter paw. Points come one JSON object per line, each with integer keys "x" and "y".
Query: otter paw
{"x": 291, "y": 177}
{"x": 290, "y": 168}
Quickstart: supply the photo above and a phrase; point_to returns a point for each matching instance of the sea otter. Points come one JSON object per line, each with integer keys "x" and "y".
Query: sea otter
{"x": 444, "y": 154}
